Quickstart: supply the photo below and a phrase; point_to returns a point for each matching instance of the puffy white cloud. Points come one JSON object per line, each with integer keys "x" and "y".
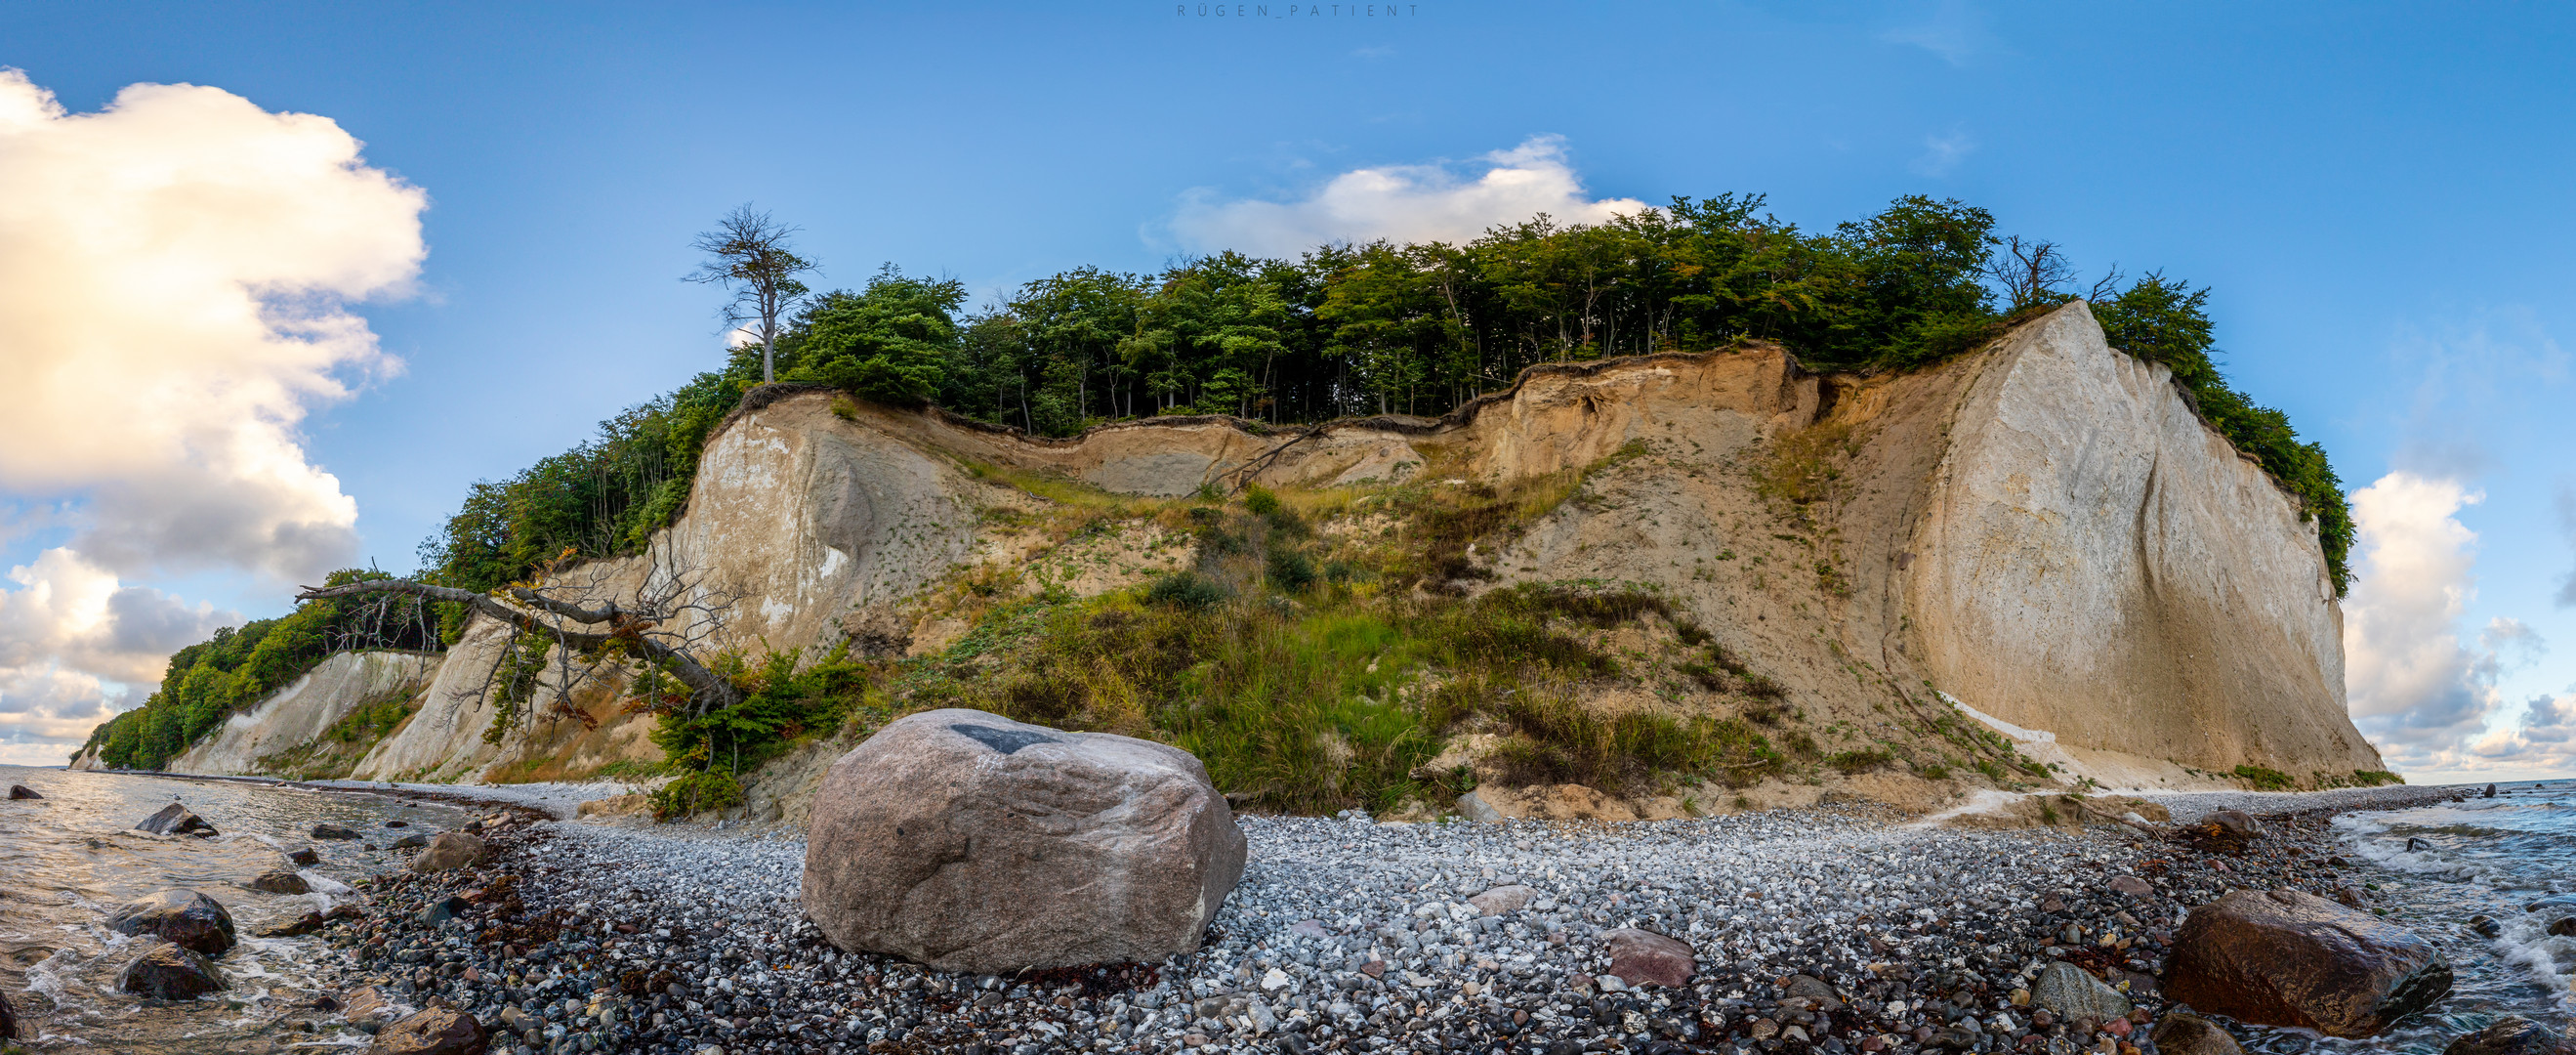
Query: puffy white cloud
{"x": 1404, "y": 203}
{"x": 2414, "y": 686}
{"x": 174, "y": 271}
{"x": 47, "y": 712}
{"x": 76, "y": 646}
{"x": 2426, "y": 697}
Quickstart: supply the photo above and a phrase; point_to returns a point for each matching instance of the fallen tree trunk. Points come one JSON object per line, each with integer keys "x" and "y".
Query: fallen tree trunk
{"x": 709, "y": 689}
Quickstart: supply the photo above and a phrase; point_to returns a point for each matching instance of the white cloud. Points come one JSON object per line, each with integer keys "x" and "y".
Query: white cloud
{"x": 75, "y": 645}
{"x": 2413, "y": 685}
{"x": 1943, "y": 153}
{"x": 175, "y": 272}
{"x": 1403, "y": 203}
{"x": 1956, "y": 32}
{"x": 47, "y": 712}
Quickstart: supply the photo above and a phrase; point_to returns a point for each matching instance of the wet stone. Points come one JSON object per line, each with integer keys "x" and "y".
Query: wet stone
{"x": 280, "y": 882}
{"x": 168, "y": 972}
{"x": 184, "y": 917}
{"x": 2512, "y": 1035}
{"x": 174, "y": 819}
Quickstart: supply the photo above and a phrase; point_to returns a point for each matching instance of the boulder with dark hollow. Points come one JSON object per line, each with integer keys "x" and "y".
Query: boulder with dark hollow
{"x": 8, "y": 1019}
{"x": 280, "y": 881}
{"x": 174, "y": 819}
{"x": 2512, "y": 1035}
{"x": 437, "y": 1031}
{"x": 168, "y": 972}
{"x": 970, "y": 842}
{"x": 450, "y": 850}
{"x": 2289, "y": 958}
{"x": 328, "y": 830}
{"x": 21, "y": 791}
{"x": 186, "y": 918}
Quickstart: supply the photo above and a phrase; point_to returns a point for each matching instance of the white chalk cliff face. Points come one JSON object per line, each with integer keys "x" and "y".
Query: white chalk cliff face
{"x": 2096, "y": 562}
{"x": 306, "y": 708}
{"x": 2042, "y": 530}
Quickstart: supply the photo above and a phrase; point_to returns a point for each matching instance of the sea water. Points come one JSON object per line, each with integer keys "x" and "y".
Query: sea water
{"x": 68, "y": 860}
{"x": 2436, "y": 867}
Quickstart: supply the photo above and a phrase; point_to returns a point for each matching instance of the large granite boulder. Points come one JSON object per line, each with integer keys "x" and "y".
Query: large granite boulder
{"x": 970, "y": 842}
{"x": 174, "y": 819}
{"x": 2290, "y": 958}
{"x": 437, "y": 1031}
{"x": 448, "y": 851}
{"x": 21, "y": 791}
{"x": 184, "y": 917}
{"x": 169, "y": 972}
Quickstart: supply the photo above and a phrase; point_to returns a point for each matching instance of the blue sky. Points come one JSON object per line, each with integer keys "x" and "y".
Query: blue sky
{"x": 2374, "y": 191}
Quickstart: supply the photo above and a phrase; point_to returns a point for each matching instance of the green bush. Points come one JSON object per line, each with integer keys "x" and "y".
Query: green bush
{"x": 1186, "y": 589}
{"x": 696, "y": 793}
{"x": 1290, "y": 571}
{"x": 2265, "y": 779}
{"x": 1859, "y": 759}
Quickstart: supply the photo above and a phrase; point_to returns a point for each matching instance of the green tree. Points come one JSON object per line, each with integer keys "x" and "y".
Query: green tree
{"x": 889, "y": 343}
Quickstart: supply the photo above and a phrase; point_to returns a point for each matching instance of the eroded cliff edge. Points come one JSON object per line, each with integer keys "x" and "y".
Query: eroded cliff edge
{"x": 2043, "y": 531}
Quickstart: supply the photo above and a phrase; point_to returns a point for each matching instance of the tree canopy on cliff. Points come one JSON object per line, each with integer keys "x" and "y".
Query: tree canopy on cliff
{"x": 1378, "y": 328}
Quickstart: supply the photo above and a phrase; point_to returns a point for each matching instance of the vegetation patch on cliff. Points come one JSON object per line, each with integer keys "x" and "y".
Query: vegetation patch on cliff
{"x": 240, "y": 666}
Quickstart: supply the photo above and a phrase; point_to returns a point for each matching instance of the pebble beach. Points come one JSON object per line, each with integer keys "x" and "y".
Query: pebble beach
{"x": 1837, "y": 929}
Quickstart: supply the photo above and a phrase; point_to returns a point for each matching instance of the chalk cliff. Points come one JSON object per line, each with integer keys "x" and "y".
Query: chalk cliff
{"x": 2042, "y": 530}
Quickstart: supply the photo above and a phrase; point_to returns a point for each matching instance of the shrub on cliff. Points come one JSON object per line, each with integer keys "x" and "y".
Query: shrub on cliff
{"x": 2166, "y": 321}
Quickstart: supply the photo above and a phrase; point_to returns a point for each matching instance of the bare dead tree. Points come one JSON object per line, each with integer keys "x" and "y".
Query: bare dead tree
{"x": 2107, "y": 286}
{"x": 2034, "y": 273}
{"x": 578, "y": 621}
{"x": 748, "y": 255}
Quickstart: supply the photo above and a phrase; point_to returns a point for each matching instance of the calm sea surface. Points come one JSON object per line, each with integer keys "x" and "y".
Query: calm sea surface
{"x": 68, "y": 860}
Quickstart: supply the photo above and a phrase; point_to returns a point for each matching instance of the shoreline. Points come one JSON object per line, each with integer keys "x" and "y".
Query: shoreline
{"x": 1836, "y": 928}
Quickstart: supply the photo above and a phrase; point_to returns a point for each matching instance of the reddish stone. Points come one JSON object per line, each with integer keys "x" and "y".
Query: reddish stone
{"x": 437, "y": 1031}
{"x": 1643, "y": 957}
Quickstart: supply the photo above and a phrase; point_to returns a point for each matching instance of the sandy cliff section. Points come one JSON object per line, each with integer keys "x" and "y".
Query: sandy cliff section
{"x": 2096, "y": 562}
{"x": 2043, "y": 529}
{"x": 301, "y": 712}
